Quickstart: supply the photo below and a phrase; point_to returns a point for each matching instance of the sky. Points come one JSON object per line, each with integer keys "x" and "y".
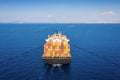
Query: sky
{"x": 59, "y": 11}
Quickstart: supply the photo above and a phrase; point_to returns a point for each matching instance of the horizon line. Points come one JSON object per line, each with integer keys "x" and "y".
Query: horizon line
{"x": 59, "y": 22}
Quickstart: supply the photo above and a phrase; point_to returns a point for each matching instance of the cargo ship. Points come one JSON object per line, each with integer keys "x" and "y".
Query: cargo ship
{"x": 57, "y": 49}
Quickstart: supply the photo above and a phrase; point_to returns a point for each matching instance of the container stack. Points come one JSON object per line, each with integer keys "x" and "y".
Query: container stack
{"x": 59, "y": 49}
{"x": 57, "y": 46}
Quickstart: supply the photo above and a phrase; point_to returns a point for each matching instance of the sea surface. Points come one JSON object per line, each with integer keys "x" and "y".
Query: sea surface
{"x": 95, "y": 50}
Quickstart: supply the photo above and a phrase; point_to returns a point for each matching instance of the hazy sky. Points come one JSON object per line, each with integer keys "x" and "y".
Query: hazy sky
{"x": 60, "y": 11}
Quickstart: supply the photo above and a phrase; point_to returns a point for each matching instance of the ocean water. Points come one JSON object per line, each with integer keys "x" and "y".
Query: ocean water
{"x": 95, "y": 50}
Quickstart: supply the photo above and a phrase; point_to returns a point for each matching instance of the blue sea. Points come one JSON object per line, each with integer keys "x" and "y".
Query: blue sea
{"x": 95, "y": 50}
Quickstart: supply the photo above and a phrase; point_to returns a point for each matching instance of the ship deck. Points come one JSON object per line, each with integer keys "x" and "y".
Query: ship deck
{"x": 57, "y": 60}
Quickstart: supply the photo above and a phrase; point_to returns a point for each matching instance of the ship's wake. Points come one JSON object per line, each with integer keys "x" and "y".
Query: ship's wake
{"x": 55, "y": 65}
{"x": 97, "y": 56}
{"x": 55, "y": 72}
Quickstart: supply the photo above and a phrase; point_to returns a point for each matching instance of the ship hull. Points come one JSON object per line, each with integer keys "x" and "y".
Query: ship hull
{"x": 56, "y": 60}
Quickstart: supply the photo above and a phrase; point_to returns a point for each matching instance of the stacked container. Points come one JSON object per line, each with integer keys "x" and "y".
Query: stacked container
{"x": 57, "y": 46}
